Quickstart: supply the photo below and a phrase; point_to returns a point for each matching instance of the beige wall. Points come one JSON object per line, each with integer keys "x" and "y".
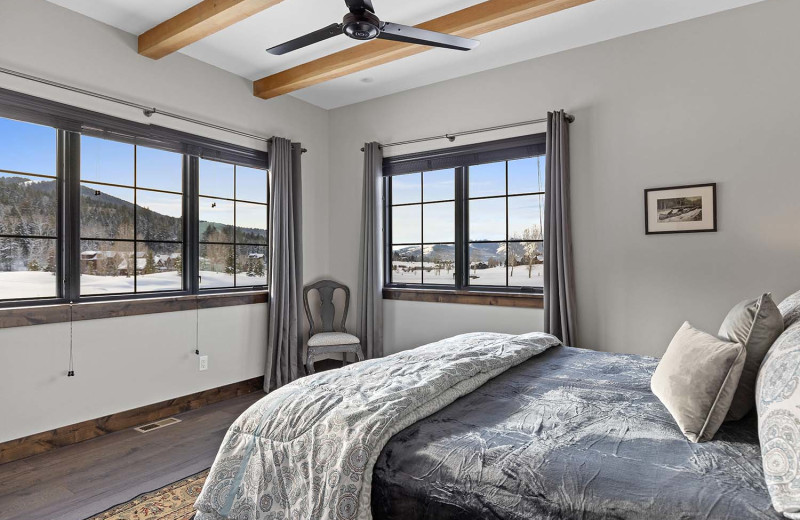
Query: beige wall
{"x": 716, "y": 99}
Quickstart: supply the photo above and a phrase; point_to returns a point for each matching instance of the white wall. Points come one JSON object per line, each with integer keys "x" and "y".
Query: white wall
{"x": 124, "y": 363}
{"x": 715, "y": 99}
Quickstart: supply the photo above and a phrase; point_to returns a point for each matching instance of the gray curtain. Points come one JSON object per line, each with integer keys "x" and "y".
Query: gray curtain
{"x": 284, "y": 343}
{"x": 370, "y": 299}
{"x": 559, "y": 277}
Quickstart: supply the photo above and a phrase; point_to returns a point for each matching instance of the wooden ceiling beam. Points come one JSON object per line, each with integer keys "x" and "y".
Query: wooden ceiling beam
{"x": 479, "y": 19}
{"x": 197, "y": 22}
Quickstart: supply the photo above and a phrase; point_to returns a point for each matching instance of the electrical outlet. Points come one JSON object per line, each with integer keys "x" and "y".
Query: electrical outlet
{"x": 203, "y": 363}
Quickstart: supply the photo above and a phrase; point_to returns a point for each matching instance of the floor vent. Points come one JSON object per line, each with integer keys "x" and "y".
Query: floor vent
{"x": 156, "y": 425}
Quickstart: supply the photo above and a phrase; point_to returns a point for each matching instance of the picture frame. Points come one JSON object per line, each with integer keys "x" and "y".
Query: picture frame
{"x": 681, "y": 209}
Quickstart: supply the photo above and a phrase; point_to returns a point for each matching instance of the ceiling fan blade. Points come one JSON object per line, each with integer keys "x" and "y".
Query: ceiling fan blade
{"x": 357, "y": 6}
{"x": 408, "y": 34}
{"x": 309, "y": 39}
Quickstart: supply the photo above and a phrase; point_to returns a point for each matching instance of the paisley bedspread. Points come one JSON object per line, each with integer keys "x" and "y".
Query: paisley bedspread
{"x": 570, "y": 434}
{"x": 307, "y": 450}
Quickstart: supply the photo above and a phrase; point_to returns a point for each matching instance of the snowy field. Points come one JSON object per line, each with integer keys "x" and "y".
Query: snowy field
{"x": 491, "y": 276}
{"x": 37, "y": 284}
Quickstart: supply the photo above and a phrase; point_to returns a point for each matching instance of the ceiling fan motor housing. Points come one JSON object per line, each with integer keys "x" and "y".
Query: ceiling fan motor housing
{"x": 361, "y": 26}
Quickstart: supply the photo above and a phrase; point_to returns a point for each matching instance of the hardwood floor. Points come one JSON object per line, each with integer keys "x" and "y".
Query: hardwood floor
{"x": 78, "y": 481}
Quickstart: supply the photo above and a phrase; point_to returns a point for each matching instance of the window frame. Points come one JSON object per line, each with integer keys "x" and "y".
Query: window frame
{"x": 235, "y": 200}
{"x": 70, "y": 123}
{"x": 459, "y": 159}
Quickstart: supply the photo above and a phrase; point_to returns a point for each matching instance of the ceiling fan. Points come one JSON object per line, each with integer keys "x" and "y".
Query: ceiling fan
{"x": 361, "y": 23}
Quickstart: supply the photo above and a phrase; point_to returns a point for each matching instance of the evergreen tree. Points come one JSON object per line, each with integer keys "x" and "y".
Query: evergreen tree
{"x": 150, "y": 264}
{"x": 230, "y": 263}
{"x": 8, "y": 254}
{"x": 179, "y": 265}
{"x": 33, "y": 265}
{"x": 51, "y": 263}
{"x": 258, "y": 269}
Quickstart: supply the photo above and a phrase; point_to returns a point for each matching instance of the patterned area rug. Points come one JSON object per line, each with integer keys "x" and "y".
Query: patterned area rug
{"x": 172, "y": 502}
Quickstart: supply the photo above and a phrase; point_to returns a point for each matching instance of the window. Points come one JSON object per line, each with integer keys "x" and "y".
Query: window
{"x": 131, "y": 225}
{"x": 506, "y": 223}
{"x": 233, "y": 226}
{"x": 470, "y": 218}
{"x": 423, "y": 231}
{"x": 96, "y": 208}
{"x": 29, "y": 209}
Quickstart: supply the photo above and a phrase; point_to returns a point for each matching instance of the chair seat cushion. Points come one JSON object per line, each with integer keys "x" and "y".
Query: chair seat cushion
{"x": 324, "y": 339}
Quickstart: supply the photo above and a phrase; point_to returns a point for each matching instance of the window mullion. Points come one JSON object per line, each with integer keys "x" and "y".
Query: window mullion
{"x": 462, "y": 240}
{"x": 70, "y": 150}
{"x": 191, "y": 228}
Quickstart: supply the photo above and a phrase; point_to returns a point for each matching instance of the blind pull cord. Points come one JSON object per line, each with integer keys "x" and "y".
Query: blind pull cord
{"x": 71, "y": 369}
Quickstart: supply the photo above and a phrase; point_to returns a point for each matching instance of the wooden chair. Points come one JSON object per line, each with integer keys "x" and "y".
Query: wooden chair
{"x": 327, "y": 338}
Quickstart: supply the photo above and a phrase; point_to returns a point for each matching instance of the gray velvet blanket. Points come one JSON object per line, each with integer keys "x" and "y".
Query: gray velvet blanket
{"x": 568, "y": 435}
{"x": 307, "y": 450}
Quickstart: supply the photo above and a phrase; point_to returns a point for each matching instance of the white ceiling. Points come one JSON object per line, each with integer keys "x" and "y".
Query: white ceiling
{"x": 240, "y": 49}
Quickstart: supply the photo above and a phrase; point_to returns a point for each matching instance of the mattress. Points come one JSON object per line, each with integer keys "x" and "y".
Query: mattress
{"x": 569, "y": 434}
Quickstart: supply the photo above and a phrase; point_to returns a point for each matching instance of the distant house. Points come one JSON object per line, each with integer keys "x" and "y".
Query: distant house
{"x": 166, "y": 262}
{"x": 256, "y": 256}
{"x": 141, "y": 263}
{"x": 94, "y": 261}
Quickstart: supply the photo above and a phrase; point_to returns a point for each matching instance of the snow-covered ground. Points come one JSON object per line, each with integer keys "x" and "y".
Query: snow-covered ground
{"x": 37, "y": 284}
{"x": 491, "y": 276}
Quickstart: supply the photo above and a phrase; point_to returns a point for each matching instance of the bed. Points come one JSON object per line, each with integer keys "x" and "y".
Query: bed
{"x": 481, "y": 426}
{"x": 569, "y": 434}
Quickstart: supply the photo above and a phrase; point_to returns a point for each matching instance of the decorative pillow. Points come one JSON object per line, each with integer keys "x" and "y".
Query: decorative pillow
{"x": 778, "y": 405}
{"x": 696, "y": 380}
{"x": 790, "y": 308}
{"x": 756, "y": 324}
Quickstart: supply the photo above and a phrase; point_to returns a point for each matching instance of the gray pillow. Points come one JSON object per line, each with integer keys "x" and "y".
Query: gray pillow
{"x": 756, "y": 324}
{"x": 696, "y": 380}
{"x": 778, "y": 405}
{"x": 790, "y": 308}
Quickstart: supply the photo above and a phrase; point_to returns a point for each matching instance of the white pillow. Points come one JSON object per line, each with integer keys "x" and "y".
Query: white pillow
{"x": 790, "y": 308}
{"x": 778, "y": 405}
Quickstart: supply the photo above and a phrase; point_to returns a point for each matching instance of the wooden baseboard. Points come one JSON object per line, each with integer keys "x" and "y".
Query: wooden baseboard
{"x": 42, "y": 442}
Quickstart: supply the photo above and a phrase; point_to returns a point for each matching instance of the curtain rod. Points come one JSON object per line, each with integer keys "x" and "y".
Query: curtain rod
{"x": 147, "y": 111}
{"x": 452, "y": 137}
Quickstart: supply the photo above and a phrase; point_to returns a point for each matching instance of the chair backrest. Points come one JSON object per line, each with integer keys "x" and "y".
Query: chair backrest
{"x": 326, "y": 290}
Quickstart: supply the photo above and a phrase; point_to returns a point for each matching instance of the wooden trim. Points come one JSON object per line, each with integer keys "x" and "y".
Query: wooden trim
{"x": 527, "y": 301}
{"x": 470, "y": 22}
{"x": 45, "y": 314}
{"x": 196, "y": 23}
{"x": 42, "y": 442}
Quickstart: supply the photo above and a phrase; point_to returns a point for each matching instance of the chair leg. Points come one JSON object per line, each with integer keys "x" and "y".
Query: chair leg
{"x": 359, "y": 354}
{"x": 310, "y": 364}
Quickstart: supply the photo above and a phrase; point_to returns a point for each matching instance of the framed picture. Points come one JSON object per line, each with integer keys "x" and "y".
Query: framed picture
{"x": 681, "y": 209}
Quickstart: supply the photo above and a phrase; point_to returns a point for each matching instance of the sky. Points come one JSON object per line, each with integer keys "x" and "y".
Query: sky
{"x": 30, "y": 148}
{"x": 487, "y": 216}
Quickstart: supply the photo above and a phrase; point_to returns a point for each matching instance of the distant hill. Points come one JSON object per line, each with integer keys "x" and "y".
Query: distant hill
{"x": 30, "y": 208}
{"x": 446, "y": 253}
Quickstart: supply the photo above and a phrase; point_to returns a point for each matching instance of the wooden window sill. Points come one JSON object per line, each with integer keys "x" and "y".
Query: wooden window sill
{"x": 497, "y": 299}
{"x": 60, "y": 313}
